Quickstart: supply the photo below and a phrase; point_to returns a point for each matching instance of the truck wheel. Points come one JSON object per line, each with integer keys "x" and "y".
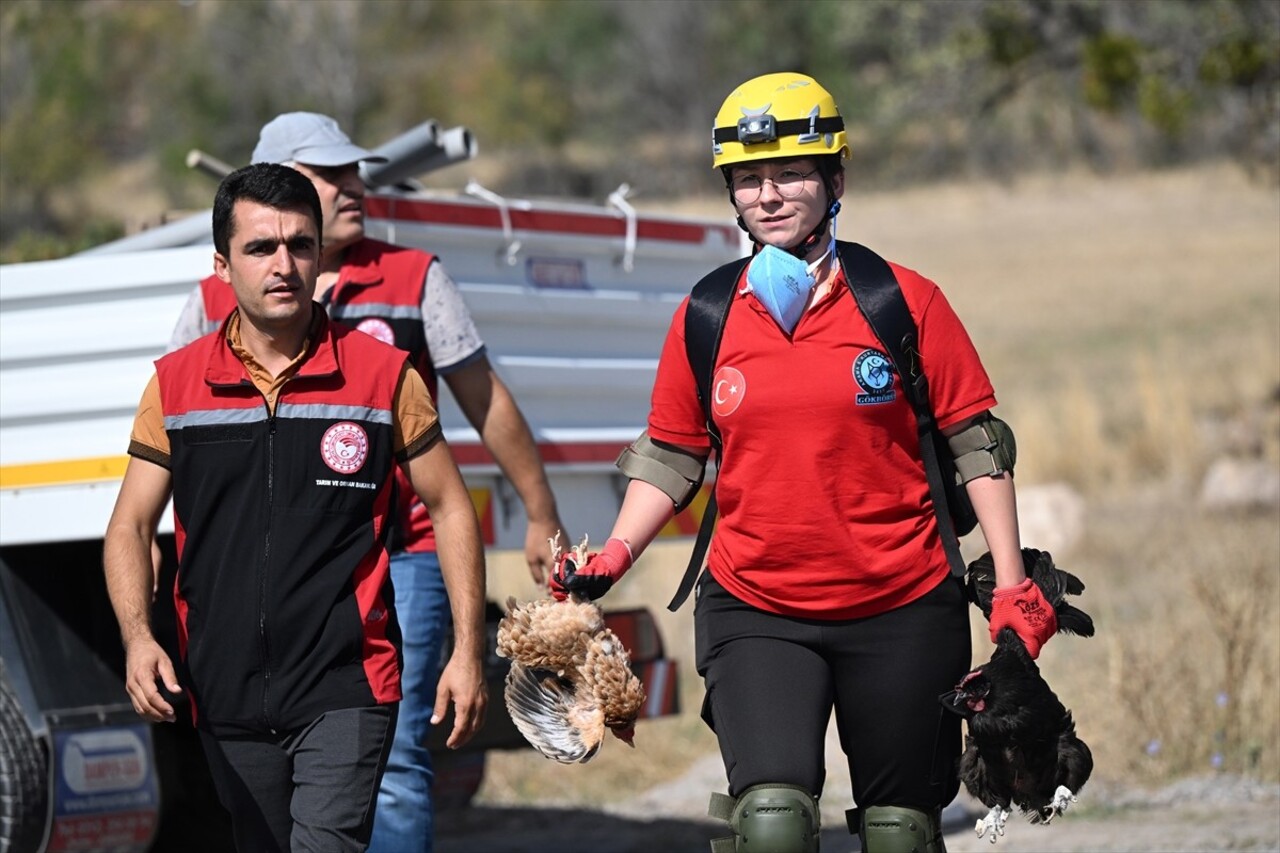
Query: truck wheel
{"x": 23, "y": 770}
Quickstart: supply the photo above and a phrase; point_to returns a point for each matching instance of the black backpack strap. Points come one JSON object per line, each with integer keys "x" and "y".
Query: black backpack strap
{"x": 700, "y": 545}
{"x": 703, "y": 327}
{"x": 876, "y": 291}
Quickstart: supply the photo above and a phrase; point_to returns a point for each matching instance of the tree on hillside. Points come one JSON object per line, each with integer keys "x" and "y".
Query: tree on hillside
{"x": 575, "y": 96}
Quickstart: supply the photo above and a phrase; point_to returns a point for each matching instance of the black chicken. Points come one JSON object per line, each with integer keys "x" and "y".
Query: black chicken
{"x": 1021, "y": 748}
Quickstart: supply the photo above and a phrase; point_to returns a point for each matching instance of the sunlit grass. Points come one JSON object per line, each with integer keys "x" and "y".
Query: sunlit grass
{"x": 1181, "y": 676}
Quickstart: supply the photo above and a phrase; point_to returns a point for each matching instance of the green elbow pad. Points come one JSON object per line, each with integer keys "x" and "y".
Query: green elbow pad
{"x": 983, "y": 449}
{"x": 675, "y": 472}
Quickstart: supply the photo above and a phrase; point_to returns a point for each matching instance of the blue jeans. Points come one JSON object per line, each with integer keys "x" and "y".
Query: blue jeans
{"x": 403, "y": 823}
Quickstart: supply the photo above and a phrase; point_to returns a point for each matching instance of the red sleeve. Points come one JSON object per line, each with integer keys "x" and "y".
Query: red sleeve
{"x": 958, "y": 384}
{"x": 674, "y": 414}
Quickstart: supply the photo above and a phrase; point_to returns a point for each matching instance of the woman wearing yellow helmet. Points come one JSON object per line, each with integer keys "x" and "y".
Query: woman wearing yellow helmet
{"x": 787, "y": 124}
{"x": 829, "y": 586}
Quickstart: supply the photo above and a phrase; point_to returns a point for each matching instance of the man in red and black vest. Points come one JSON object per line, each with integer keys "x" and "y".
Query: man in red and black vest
{"x": 279, "y": 437}
{"x": 403, "y": 297}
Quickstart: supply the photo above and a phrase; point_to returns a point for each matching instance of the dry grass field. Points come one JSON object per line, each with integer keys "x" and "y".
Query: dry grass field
{"x": 1131, "y": 325}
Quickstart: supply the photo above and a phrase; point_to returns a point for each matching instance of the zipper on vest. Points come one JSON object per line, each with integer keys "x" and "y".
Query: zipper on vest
{"x": 266, "y": 563}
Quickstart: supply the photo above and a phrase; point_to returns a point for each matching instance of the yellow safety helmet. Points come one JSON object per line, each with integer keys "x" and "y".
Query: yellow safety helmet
{"x": 775, "y": 116}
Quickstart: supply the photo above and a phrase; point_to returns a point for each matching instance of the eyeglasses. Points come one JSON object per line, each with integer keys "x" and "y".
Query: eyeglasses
{"x": 788, "y": 183}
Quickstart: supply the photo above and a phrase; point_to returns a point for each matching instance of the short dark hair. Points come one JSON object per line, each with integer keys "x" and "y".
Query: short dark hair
{"x": 265, "y": 183}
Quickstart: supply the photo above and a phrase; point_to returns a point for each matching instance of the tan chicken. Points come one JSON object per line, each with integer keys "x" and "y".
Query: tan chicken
{"x": 570, "y": 676}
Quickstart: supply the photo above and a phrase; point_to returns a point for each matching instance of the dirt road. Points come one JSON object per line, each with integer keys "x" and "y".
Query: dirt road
{"x": 1210, "y": 813}
{"x": 1252, "y": 826}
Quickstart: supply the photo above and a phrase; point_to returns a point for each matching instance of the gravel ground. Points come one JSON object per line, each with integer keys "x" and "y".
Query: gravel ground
{"x": 1209, "y": 813}
{"x": 1204, "y": 813}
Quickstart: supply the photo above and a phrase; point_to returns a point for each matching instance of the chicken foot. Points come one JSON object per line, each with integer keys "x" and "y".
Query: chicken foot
{"x": 579, "y": 551}
{"x": 994, "y": 823}
{"x": 1063, "y": 797}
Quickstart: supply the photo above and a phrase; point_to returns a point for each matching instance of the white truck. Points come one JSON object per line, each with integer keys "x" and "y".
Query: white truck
{"x": 572, "y": 300}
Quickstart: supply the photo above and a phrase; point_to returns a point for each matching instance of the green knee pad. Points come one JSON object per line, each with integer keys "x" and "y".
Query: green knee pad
{"x": 897, "y": 829}
{"x": 768, "y": 818}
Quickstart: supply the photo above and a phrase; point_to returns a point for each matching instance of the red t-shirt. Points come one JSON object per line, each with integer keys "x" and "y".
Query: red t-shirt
{"x": 825, "y": 508}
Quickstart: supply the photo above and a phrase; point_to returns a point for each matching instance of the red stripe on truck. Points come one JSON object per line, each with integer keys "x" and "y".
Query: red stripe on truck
{"x": 598, "y": 225}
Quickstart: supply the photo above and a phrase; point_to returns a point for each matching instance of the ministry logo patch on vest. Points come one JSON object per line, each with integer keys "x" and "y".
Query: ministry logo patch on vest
{"x": 345, "y": 447}
{"x": 377, "y": 328}
{"x": 873, "y": 372}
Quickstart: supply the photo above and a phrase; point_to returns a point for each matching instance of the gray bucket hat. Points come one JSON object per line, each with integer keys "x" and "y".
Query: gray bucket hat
{"x": 308, "y": 138}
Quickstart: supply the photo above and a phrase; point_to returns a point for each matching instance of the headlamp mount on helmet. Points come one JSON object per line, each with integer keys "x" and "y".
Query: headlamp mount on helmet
{"x": 752, "y": 129}
{"x": 755, "y": 129}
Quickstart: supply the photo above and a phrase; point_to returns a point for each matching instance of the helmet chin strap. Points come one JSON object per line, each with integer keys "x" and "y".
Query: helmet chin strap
{"x": 817, "y": 234}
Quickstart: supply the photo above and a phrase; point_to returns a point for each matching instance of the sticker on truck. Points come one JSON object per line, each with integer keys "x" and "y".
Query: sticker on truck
{"x": 105, "y": 793}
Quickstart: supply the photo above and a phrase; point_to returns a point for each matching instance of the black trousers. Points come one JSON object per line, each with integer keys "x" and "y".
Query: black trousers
{"x": 314, "y": 789}
{"x": 773, "y": 681}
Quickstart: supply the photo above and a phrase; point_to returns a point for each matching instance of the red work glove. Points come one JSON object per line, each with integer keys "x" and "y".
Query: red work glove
{"x": 1023, "y": 608}
{"x": 594, "y": 578}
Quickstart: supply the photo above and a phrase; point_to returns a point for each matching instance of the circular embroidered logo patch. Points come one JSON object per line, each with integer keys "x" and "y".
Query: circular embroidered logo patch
{"x": 873, "y": 372}
{"x": 344, "y": 447}
{"x": 377, "y": 328}
{"x": 727, "y": 390}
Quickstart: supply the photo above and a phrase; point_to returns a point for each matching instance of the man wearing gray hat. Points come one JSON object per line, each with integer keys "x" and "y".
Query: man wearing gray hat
{"x": 404, "y": 297}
